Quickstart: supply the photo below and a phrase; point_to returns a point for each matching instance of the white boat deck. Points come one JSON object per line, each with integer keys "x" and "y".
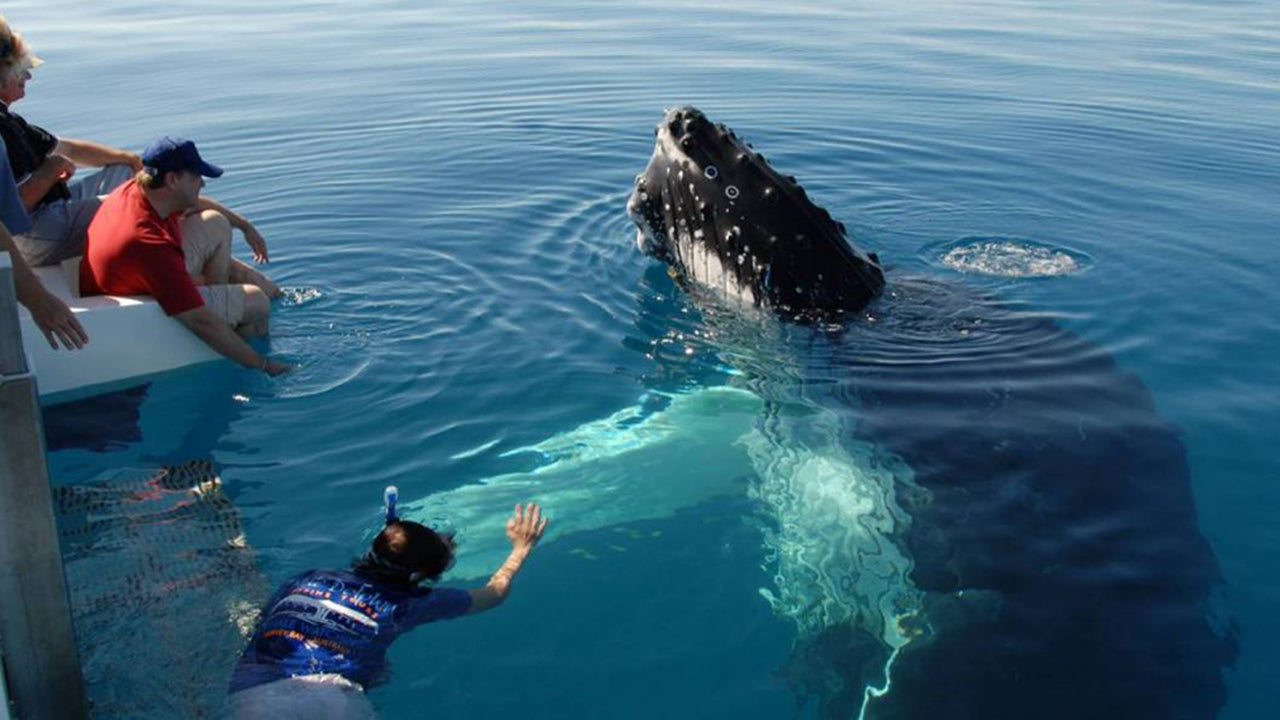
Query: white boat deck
{"x": 128, "y": 337}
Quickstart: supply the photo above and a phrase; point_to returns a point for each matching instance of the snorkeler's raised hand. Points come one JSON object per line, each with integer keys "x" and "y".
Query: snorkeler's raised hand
{"x": 525, "y": 526}
{"x": 524, "y": 529}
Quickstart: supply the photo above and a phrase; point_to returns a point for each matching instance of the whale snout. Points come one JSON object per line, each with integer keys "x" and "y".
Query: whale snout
{"x": 643, "y": 211}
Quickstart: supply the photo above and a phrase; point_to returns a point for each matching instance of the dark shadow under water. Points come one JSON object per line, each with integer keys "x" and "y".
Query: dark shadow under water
{"x": 161, "y": 580}
{"x": 1053, "y": 529}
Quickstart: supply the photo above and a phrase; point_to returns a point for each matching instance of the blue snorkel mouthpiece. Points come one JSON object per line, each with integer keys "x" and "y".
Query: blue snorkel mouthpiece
{"x": 389, "y": 496}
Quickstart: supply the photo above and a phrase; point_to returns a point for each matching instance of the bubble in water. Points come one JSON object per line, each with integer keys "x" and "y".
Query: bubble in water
{"x": 1012, "y": 258}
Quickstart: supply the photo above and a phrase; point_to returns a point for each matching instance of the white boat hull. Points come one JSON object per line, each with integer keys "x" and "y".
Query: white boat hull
{"x": 129, "y": 337}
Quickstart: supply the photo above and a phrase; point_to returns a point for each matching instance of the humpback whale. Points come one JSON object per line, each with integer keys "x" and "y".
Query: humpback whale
{"x": 1031, "y": 550}
{"x": 713, "y": 209}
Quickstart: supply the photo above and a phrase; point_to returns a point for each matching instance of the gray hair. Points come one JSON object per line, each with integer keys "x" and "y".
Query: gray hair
{"x": 15, "y": 54}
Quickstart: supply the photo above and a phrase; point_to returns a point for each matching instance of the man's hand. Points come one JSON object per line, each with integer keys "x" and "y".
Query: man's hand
{"x": 56, "y": 320}
{"x": 257, "y": 243}
{"x": 525, "y": 527}
{"x": 59, "y": 166}
{"x": 275, "y": 367}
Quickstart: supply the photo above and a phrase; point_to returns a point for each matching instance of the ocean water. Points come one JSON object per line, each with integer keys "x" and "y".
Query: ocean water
{"x": 1070, "y": 199}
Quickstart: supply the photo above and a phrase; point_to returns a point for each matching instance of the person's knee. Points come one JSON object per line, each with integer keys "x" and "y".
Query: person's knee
{"x": 257, "y": 306}
{"x": 210, "y": 224}
{"x": 215, "y": 222}
{"x": 254, "y": 320}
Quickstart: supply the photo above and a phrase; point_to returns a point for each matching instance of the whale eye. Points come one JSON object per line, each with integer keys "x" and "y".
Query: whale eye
{"x": 731, "y": 191}
{"x": 711, "y": 172}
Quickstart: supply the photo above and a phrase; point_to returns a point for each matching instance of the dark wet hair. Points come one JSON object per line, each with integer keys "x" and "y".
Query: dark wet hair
{"x": 403, "y": 548}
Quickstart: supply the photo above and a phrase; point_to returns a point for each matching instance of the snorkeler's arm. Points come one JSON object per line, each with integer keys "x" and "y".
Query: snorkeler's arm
{"x": 524, "y": 528}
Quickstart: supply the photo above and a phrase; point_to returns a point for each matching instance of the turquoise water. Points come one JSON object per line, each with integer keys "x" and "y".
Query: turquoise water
{"x": 443, "y": 190}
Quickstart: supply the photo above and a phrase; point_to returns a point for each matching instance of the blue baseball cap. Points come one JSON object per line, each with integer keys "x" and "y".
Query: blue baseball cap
{"x": 171, "y": 154}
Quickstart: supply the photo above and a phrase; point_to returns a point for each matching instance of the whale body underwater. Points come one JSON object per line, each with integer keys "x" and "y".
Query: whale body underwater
{"x": 966, "y": 511}
{"x": 1042, "y": 538}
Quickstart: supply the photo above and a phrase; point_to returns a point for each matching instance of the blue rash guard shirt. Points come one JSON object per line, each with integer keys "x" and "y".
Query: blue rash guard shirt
{"x": 333, "y": 621}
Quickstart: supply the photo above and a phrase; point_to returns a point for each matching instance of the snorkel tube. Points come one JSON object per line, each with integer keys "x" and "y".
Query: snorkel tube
{"x": 397, "y": 564}
{"x": 389, "y": 498}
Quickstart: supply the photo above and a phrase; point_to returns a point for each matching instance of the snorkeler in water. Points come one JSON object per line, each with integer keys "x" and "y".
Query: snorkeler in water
{"x": 323, "y": 636}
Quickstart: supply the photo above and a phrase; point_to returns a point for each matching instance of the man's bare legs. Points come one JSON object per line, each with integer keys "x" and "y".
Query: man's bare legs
{"x": 257, "y": 313}
{"x": 206, "y": 241}
{"x": 207, "y": 235}
{"x": 242, "y": 272}
{"x": 209, "y": 231}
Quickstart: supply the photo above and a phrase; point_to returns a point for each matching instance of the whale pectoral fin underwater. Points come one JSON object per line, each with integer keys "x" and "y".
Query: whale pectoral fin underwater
{"x": 633, "y": 465}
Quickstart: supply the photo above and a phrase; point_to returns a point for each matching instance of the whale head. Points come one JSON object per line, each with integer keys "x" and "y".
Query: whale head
{"x": 721, "y": 217}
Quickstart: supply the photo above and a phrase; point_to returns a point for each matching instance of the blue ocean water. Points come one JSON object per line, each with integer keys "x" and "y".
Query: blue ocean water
{"x": 442, "y": 189}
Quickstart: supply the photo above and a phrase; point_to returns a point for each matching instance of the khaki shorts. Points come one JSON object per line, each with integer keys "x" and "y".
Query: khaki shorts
{"x": 197, "y": 248}
{"x": 226, "y": 301}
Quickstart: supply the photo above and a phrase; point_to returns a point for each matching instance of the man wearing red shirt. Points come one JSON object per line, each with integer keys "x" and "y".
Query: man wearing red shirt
{"x": 134, "y": 246}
